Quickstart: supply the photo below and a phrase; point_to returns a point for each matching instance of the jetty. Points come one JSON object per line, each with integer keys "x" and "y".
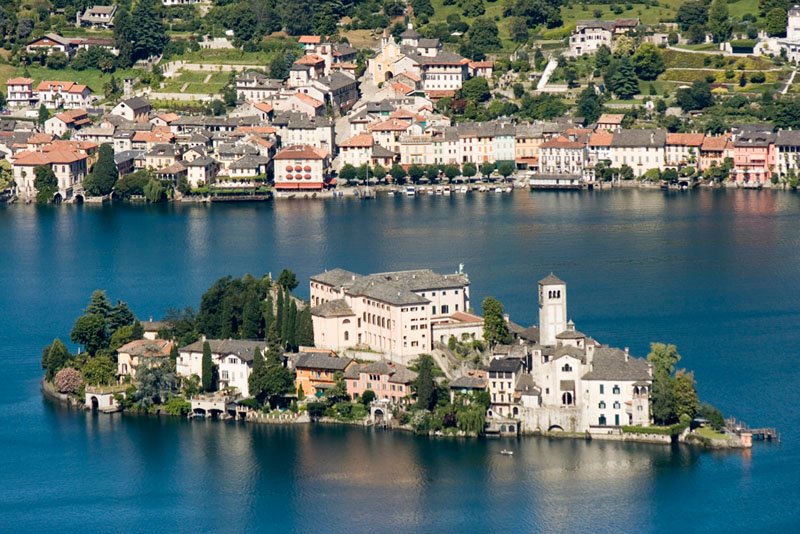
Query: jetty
{"x": 758, "y": 434}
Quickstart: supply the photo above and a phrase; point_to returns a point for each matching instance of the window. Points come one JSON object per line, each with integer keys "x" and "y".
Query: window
{"x": 224, "y": 375}
{"x": 616, "y": 405}
{"x": 602, "y": 420}
{"x": 602, "y": 389}
{"x": 566, "y": 368}
{"x": 445, "y": 309}
{"x": 346, "y": 335}
{"x": 602, "y": 405}
{"x": 615, "y": 390}
{"x": 566, "y": 399}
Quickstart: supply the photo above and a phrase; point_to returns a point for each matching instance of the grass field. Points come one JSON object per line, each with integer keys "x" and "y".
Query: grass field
{"x": 93, "y": 78}
{"x": 494, "y": 11}
{"x": 196, "y": 82}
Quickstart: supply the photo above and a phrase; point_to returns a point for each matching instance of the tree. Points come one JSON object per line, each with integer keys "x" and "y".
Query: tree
{"x": 54, "y": 357}
{"x": 258, "y": 380}
{"x": 252, "y": 318}
{"x": 713, "y": 415}
{"x": 148, "y": 34}
{"x": 347, "y": 173}
{"x": 398, "y": 173}
{"x": 719, "y": 22}
{"x": 99, "y": 371}
{"x": 487, "y": 168}
{"x": 590, "y": 105}
{"x": 621, "y": 78}
{"x": 206, "y": 370}
{"x": 475, "y": 90}
{"x": 305, "y": 328}
{"x": 472, "y": 8}
{"x": 495, "y": 328}
{"x": 154, "y": 191}
{"x": 451, "y": 171}
{"x": 663, "y": 358}
{"x": 90, "y": 331}
{"x": 155, "y": 384}
{"x": 542, "y": 107}
{"x": 68, "y": 380}
{"x": 104, "y": 174}
{"x": 683, "y": 391}
{"x": 648, "y": 61}
{"x": 378, "y": 172}
{"x": 287, "y": 280}
{"x": 698, "y": 96}
{"x": 367, "y": 397}
{"x": 482, "y": 37}
{"x": 57, "y": 60}
{"x": 43, "y": 115}
{"x": 691, "y": 14}
{"x": 518, "y": 30}
{"x": 776, "y": 22}
{"x": 415, "y": 172}
{"x": 468, "y": 170}
{"x": 46, "y": 184}
{"x": 506, "y": 168}
{"x": 424, "y": 384}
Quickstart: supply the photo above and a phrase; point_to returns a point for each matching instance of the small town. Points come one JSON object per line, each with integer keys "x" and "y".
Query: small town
{"x": 393, "y": 350}
{"x": 694, "y": 97}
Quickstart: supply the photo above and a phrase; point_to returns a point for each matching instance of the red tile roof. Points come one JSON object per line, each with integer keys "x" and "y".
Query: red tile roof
{"x": 309, "y": 39}
{"x": 685, "y": 139}
{"x": 358, "y": 141}
{"x": 301, "y": 152}
{"x": 561, "y": 142}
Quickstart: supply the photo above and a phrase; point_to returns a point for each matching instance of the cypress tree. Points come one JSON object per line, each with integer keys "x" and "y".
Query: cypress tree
{"x": 251, "y": 316}
{"x": 279, "y": 314}
{"x": 305, "y": 328}
{"x": 173, "y": 352}
{"x": 207, "y": 379}
{"x": 269, "y": 312}
{"x": 291, "y": 325}
{"x": 257, "y": 381}
{"x": 424, "y": 383}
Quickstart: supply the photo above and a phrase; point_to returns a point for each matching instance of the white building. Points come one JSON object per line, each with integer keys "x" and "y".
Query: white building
{"x": 792, "y": 41}
{"x": 233, "y": 356}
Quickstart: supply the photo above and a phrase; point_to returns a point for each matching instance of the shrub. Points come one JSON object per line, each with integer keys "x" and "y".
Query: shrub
{"x": 757, "y": 77}
{"x": 177, "y": 406}
{"x": 68, "y": 380}
{"x": 367, "y": 397}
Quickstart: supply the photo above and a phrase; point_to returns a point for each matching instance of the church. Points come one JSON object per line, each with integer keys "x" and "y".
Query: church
{"x": 556, "y": 378}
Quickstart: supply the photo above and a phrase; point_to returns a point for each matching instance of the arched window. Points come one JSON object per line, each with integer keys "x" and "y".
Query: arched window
{"x": 602, "y": 405}
{"x": 615, "y": 390}
{"x": 616, "y": 405}
{"x": 566, "y": 368}
{"x": 346, "y": 335}
{"x": 602, "y": 420}
{"x": 566, "y": 399}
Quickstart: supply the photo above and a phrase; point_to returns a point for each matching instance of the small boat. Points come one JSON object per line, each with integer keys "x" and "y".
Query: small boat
{"x": 446, "y": 190}
{"x": 498, "y": 189}
{"x": 463, "y": 189}
{"x": 410, "y": 191}
{"x": 482, "y": 189}
{"x": 509, "y": 189}
{"x": 439, "y": 190}
{"x": 506, "y": 452}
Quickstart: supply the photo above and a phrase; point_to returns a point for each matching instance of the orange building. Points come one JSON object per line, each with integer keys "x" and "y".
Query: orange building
{"x": 316, "y": 371}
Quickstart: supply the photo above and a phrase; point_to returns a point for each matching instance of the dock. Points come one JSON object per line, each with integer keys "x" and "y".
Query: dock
{"x": 758, "y": 434}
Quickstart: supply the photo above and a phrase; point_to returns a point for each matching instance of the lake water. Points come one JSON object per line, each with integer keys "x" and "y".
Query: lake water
{"x": 717, "y": 273}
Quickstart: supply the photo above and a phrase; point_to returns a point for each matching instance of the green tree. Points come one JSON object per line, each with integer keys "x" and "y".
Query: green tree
{"x": 279, "y": 313}
{"x": 696, "y": 97}
{"x": 685, "y": 395}
{"x": 475, "y": 90}
{"x": 424, "y": 384}
{"x": 54, "y": 357}
{"x": 398, "y": 173}
{"x": 206, "y": 369}
{"x": 252, "y": 318}
{"x": 43, "y": 115}
{"x": 487, "y": 168}
{"x": 99, "y": 371}
{"x": 90, "y": 331}
{"x": 518, "y": 30}
{"x": 367, "y": 397}
{"x": 148, "y": 34}
{"x": 154, "y": 191}
{"x": 482, "y": 37}
{"x": 495, "y": 328}
{"x": 305, "y": 328}
{"x": 506, "y": 168}
{"x": 258, "y": 380}
{"x": 46, "y": 184}
{"x": 776, "y": 22}
{"x": 468, "y": 170}
{"x": 287, "y": 280}
{"x": 719, "y": 21}
{"x": 347, "y": 173}
{"x": 104, "y": 174}
{"x": 378, "y": 172}
{"x": 590, "y": 105}
{"x": 451, "y": 171}
{"x": 623, "y": 80}
{"x": 648, "y": 61}
{"x": 663, "y": 358}
{"x": 120, "y": 337}
{"x": 713, "y": 415}
{"x": 415, "y": 172}
{"x": 692, "y": 14}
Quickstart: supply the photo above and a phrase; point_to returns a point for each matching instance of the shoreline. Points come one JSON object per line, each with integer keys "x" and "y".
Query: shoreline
{"x": 67, "y": 401}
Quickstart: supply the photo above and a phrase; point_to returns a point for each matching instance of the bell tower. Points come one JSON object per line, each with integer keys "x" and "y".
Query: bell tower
{"x": 552, "y": 309}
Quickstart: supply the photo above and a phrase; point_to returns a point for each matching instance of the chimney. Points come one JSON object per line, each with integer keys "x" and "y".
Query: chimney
{"x": 627, "y": 353}
{"x": 506, "y": 318}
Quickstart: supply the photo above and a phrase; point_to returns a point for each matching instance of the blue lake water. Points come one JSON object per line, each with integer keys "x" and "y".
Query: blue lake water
{"x": 717, "y": 273}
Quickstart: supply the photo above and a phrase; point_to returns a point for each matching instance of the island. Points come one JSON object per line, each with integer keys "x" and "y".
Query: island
{"x": 399, "y": 350}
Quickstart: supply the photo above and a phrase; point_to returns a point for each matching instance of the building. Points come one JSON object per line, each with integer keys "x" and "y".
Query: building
{"x": 69, "y": 166}
{"x": 51, "y": 42}
{"x": 562, "y": 156}
{"x": 787, "y": 152}
{"x": 504, "y": 373}
{"x": 256, "y": 87}
{"x": 641, "y": 150}
{"x": 792, "y": 41}
{"x": 136, "y": 109}
{"x": 67, "y": 95}
{"x": 301, "y": 168}
{"x": 390, "y": 381}
{"x": 753, "y": 156}
{"x": 20, "y": 92}
{"x": 610, "y": 122}
{"x": 234, "y": 358}
{"x": 148, "y": 352}
{"x": 97, "y": 17}
{"x": 683, "y": 149}
{"x": 67, "y": 121}
{"x": 201, "y": 171}
{"x": 392, "y": 313}
{"x": 315, "y": 372}
{"x": 715, "y": 150}
{"x": 589, "y": 35}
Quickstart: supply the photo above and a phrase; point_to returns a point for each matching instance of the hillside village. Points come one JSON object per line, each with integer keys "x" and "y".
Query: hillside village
{"x": 416, "y": 104}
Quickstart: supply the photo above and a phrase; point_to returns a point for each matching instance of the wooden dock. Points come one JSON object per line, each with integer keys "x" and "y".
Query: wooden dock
{"x": 758, "y": 434}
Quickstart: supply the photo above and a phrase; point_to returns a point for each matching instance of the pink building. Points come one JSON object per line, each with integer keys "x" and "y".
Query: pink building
{"x": 391, "y": 382}
{"x": 753, "y": 158}
{"x": 392, "y": 312}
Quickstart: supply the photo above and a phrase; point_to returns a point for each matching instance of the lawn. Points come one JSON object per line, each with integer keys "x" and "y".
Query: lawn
{"x": 93, "y": 78}
{"x": 710, "y": 433}
{"x": 196, "y": 82}
{"x": 494, "y": 11}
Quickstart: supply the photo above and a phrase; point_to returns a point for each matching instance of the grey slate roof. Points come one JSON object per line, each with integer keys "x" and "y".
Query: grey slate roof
{"x": 551, "y": 279}
{"x": 609, "y": 364}
{"x": 337, "y": 80}
{"x": 428, "y": 43}
{"x": 137, "y": 102}
{"x": 202, "y": 161}
{"x": 788, "y": 138}
{"x": 379, "y": 152}
{"x": 569, "y": 350}
{"x": 249, "y": 162}
{"x": 754, "y": 138}
{"x": 469, "y": 382}
{"x": 526, "y": 386}
{"x": 333, "y": 308}
{"x": 570, "y": 334}
{"x": 320, "y": 361}
{"x": 244, "y": 349}
{"x": 639, "y": 138}
{"x": 335, "y": 277}
{"x": 505, "y": 365}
